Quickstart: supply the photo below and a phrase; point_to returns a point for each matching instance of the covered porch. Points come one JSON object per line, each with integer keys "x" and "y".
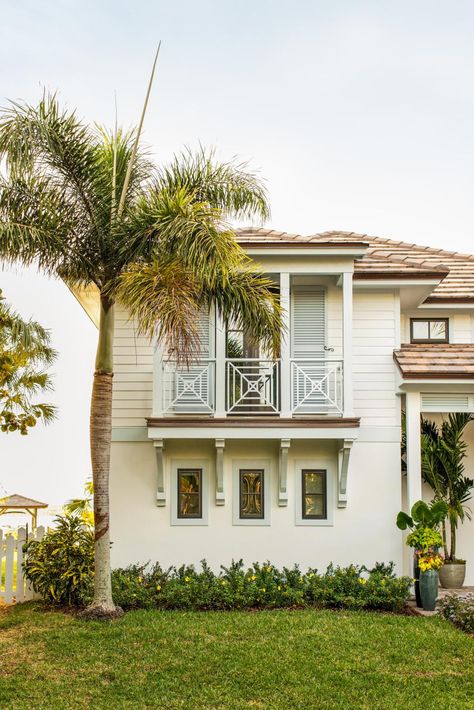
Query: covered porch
{"x": 434, "y": 382}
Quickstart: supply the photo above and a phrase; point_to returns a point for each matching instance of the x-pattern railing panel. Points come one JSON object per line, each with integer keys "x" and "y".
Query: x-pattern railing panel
{"x": 253, "y": 386}
{"x": 316, "y": 386}
{"x": 188, "y": 389}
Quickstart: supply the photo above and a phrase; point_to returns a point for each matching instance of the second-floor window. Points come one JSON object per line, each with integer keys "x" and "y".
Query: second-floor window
{"x": 429, "y": 330}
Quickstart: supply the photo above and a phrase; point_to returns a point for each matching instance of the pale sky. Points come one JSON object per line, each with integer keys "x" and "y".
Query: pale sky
{"x": 359, "y": 115}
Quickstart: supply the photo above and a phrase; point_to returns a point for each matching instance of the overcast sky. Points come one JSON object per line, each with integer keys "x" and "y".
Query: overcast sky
{"x": 359, "y": 115}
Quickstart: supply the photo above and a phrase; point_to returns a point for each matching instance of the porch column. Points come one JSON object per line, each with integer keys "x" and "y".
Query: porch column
{"x": 285, "y": 349}
{"x": 219, "y": 373}
{"x": 347, "y": 389}
{"x": 413, "y": 432}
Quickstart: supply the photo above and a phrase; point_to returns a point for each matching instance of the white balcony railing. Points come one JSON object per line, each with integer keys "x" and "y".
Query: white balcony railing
{"x": 316, "y": 386}
{"x": 189, "y": 390}
{"x": 252, "y": 386}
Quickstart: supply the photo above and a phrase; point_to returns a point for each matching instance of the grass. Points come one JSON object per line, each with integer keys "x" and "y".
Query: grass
{"x": 275, "y": 659}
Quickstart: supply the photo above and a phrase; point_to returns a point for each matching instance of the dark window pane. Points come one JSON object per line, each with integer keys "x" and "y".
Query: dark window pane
{"x": 313, "y": 490}
{"x": 189, "y": 493}
{"x": 251, "y": 494}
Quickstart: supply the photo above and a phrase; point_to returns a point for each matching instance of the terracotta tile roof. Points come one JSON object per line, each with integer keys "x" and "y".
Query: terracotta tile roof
{"x": 436, "y": 361}
{"x": 387, "y": 257}
{"x": 17, "y": 501}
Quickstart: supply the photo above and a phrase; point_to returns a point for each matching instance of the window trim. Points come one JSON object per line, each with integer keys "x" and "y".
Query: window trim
{"x": 248, "y": 464}
{"x": 328, "y": 464}
{"x": 262, "y": 494}
{"x": 304, "y": 515}
{"x": 429, "y": 340}
{"x": 189, "y": 464}
{"x": 179, "y": 493}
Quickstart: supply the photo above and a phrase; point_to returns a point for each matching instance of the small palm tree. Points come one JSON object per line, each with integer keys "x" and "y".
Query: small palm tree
{"x": 89, "y": 206}
{"x": 25, "y": 355}
{"x": 83, "y": 507}
{"x": 443, "y": 451}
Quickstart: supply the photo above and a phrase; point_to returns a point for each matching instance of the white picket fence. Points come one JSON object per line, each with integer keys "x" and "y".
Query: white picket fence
{"x": 13, "y": 585}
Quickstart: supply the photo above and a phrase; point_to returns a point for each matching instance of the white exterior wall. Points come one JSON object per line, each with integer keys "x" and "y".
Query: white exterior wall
{"x": 133, "y": 378}
{"x": 376, "y": 315}
{"x": 364, "y": 532}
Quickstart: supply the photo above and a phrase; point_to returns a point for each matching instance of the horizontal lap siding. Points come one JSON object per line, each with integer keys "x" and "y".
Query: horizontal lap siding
{"x": 374, "y": 339}
{"x": 133, "y": 379}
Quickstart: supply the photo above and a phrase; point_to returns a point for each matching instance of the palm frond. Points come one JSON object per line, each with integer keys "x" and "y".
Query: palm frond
{"x": 227, "y": 186}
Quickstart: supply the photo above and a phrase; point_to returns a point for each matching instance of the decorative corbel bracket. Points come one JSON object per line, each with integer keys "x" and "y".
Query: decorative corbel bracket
{"x": 220, "y": 495}
{"x": 283, "y": 473}
{"x": 344, "y": 456}
{"x": 160, "y": 470}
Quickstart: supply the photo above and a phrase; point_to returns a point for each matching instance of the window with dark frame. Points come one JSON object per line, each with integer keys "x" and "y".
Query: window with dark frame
{"x": 251, "y": 502}
{"x": 429, "y": 330}
{"x": 314, "y": 494}
{"x": 189, "y": 493}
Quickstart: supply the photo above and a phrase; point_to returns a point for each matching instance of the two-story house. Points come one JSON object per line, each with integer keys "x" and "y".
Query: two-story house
{"x": 295, "y": 459}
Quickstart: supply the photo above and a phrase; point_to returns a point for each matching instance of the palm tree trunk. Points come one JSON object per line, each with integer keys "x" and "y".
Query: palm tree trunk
{"x": 100, "y": 442}
{"x": 445, "y": 542}
{"x": 452, "y": 530}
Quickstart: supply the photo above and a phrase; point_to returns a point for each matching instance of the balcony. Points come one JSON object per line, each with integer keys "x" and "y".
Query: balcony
{"x": 253, "y": 386}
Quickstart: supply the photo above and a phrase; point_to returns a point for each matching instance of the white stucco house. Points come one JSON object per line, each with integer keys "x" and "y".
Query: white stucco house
{"x": 295, "y": 459}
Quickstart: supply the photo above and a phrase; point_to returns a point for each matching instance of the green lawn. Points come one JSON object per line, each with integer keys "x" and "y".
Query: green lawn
{"x": 276, "y": 659}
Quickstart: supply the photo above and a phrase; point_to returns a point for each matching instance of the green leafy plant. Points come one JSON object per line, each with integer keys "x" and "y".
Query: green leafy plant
{"x": 25, "y": 354}
{"x": 261, "y": 586}
{"x": 84, "y": 507}
{"x": 443, "y": 453}
{"x": 423, "y": 516}
{"x": 61, "y": 565}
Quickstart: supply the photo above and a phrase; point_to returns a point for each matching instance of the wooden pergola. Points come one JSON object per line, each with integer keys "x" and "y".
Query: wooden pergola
{"x": 19, "y": 504}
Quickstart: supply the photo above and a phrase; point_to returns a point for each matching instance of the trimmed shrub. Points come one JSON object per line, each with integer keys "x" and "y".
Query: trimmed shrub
{"x": 60, "y": 567}
{"x": 262, "y": 586}
{"x": 459, "y": 609}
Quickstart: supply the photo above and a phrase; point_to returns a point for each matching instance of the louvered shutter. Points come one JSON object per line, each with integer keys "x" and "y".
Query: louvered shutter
{"x": 308, "y": 338}
{"x": 308, "y": 323}
{"x": 193, "y": 385}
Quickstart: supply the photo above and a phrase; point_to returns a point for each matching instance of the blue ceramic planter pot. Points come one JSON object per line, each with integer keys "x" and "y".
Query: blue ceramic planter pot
{"x": 416, "y": 576}
{"x": 429, "y": 589}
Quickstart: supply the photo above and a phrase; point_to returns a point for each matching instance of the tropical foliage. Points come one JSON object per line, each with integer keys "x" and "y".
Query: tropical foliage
{"x": 61, "y": 565}
{"x": 443, "y": 454}
{"x": 25, "y": 355}
{"x": 84, "y": 507}
{"x": 261, "y": 586}
{"x": 88, "y": 205}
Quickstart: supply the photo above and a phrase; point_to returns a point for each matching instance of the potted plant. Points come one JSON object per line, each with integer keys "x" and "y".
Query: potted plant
{"x": 424, "y": 538}
{"x": 443, "y": 452}
{"x": 429, "y": 562}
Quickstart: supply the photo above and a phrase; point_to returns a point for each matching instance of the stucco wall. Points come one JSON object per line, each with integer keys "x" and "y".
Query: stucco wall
{"x": 364, "y": 532}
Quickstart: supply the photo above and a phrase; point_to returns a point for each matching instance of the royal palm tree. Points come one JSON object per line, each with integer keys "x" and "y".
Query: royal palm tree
{"x": 25, "y": 355}
{"x": 88, "y": 205}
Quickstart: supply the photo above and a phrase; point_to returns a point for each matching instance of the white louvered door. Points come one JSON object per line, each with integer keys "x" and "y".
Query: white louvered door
{"x": 308, "y": 339}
